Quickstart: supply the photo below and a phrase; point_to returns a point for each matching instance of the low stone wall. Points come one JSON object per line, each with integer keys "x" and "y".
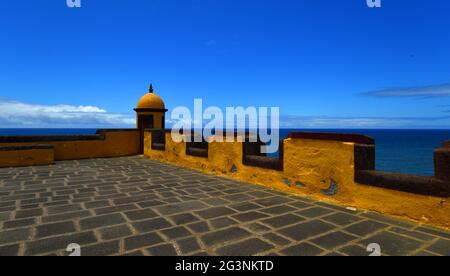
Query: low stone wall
{"x": 20, "y": 156}
{"x": 318, "y": 165}
{"x": 105, "y": 143}
{"x": 438, "y": 185}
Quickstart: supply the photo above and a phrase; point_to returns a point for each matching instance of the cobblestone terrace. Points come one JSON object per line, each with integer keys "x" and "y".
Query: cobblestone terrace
{"x": 135, "y": 206}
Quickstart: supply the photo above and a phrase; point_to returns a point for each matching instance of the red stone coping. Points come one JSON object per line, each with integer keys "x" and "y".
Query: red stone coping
{"x": 33, "y": 147}
{"x": 423, "y": 185}
{"x": 349, "y": 138}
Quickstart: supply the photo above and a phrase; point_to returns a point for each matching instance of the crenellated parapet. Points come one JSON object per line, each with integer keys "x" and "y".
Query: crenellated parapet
{"x": 332, "y": 167}
{"x": 18, "y": 151}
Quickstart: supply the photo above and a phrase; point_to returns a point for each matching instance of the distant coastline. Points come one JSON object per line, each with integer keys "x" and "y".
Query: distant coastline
{"x": 398, "y": 150}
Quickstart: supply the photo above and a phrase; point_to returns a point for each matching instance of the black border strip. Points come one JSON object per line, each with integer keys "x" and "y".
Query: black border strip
{"x": 100, "y": 135}
{"x": 19, "y": 148}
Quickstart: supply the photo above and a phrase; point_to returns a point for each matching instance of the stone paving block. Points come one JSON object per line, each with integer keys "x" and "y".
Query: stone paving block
{"x": 137, "y": 253}
{"x": 115, "y": 232}
{"x": 278, "y": 210}
{"x": 5, "y": 216}
{"x": 162, "y": 250}
{"x": 52, "y": 244}
{"x": 342, "y": 219}
{"x": 141, "y": 241}
{"x": 63, "y": 209}
{"x": 283, "y": 220}
{"x": 33, "y": 201}
{"x": 276, "y": 239}
{"x": 244, "y": 206}
{"x": 188, "y": 245}
{"x": 134, "y": 199}
{"x": 332, "y": 240}
{"x": 249, "y": 216}
{"x": 333, "y": 254}
{"x": 151, "y": 225}
{"x": 7, "y": 209}
{"x": 393, "y": 244}
{"x": 257, "y": 228}
{"x": 389, "y": 220}
{"x": 271, "y": 201}
{"x": 97, "y": 204}
{"x": 176, "y": 232}
{"x": 355, "y": 250}
{"x": 115, "y": 209}
{"x": 101, "y": 249}
{"x": 300, "y": 204}
{"x": 222, "y": 236}
{"x": 440, "y": 247}
{"x": 314, "y": 212}
{"x": 66, "y": 216}
{"x": 11, "y": 236}
{"x": 364, "y": 228}
{"x": 150, "y": 203}
{"x": 302, "y": 231}
{"x": 412, "y": 234}
{"x": 302, "y": 249}
{"x": 100, "y": 221}
{"x": 215, "y": 202}
{"x": 18, "y": 223}
{"x": 223, "y": 222}
{"x": 434, "y": 231}
{"x": 28, "y": 207}
{"x": 7, "y": 203}
{"x": 29, "y": 213}
{"x": 425, "y": 253}
{"x": 55, "y": 203}
{"x": 184, "y": 218}
{"x": 9, "y": 250}
{"x": 199, "y": 227}
{"x": 140, "y": 214}
{"x": 245, "y": 248}
{"x": 181, "y": 207}
{"x": 215, "y": 212}
{"x": 260, "y": 194}
{"x": 238, "y": 197}
{"x": 47, "y": 230}
{"x": 337, "y": 208}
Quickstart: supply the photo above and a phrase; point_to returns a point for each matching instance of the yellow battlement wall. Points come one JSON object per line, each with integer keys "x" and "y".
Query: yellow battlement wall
{"x": 322, "y": 169}
{"x": 41, "y": 150}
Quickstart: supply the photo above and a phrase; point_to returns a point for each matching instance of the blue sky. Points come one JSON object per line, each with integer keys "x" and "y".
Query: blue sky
{"x": 325, "y": 63}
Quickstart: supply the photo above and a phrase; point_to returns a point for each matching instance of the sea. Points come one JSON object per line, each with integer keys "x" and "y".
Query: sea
{"x": 405, "y": 151}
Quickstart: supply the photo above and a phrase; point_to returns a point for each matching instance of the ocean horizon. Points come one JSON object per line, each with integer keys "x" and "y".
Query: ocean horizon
{"x": 408, "y": 151}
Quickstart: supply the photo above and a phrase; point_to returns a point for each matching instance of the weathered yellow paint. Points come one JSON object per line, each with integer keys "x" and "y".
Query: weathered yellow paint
{"x": 29, "y": 157}
{"x": 313, "y": 163}
{"x": 116, "y": 143}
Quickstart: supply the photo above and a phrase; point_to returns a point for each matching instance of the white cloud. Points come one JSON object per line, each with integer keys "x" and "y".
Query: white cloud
{"x": 14, "y": 114}
{"x": 365, "y": 122}
{"x": 429, "y": 91}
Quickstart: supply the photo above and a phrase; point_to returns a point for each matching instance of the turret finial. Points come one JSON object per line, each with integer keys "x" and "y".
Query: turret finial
{"x": 150, "y": 90}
